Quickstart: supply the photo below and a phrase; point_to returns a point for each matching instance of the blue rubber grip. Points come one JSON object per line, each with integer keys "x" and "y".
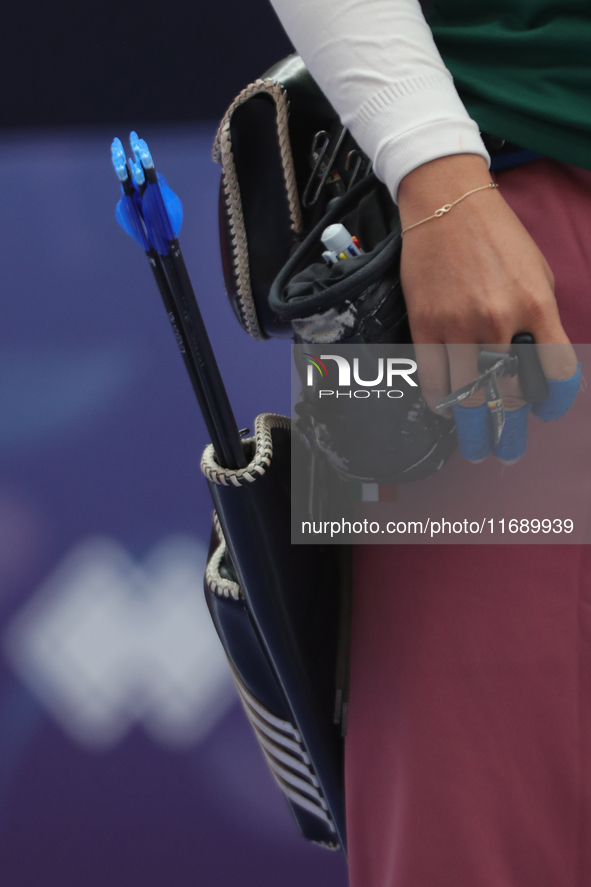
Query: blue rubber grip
{"x": 561, "y": 396}
{"x": 473, "y": 427}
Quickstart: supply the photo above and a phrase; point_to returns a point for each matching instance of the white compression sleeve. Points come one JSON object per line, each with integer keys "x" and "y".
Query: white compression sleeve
{"x": 377, "y": 63}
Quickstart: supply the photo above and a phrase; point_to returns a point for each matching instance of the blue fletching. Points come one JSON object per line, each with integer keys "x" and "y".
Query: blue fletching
{"x": 130, "y": 220}
{"x": 163, "y": 214}
{"x": 139, "y": 207}
{"x": 156, "y": 217}
{"x": 173, "y": 205}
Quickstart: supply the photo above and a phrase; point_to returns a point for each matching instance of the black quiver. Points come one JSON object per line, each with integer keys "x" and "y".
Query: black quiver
{"x": 276, "y": 609}
{"x": 282, "y": 611}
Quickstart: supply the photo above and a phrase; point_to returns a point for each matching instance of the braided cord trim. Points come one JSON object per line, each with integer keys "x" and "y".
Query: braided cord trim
{"x": 223, "y": 154}
{"x": 217, "y": 584}
{"x": 261, "y": 460}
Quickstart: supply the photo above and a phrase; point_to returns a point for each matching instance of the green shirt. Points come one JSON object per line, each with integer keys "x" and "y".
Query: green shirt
{"x": 523, "y": 69}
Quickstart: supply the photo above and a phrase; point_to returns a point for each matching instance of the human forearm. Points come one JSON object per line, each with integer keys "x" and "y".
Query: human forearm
{"x": 378, "y": 64}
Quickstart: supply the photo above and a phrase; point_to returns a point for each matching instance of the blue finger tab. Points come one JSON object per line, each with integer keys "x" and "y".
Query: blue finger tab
{"x": 513, "y": 440}
{"x": 561, "y": 396}
{"x": 472, "y": 424}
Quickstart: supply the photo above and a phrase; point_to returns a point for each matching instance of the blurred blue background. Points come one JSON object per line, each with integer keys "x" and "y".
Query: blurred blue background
{"x": 125, "y": 758}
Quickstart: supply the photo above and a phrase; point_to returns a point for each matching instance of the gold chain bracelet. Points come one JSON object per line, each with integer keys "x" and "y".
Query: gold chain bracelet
{"x": 445, "y": 209}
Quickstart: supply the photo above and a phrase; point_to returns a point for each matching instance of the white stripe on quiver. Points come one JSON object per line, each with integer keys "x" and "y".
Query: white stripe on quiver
{"x": 272, "y": 720}
{"x": 279, "y": 738}
{"x": 307, "y": 804}
{"x": 296, "y": 782}
{"x": 287, "y": 757}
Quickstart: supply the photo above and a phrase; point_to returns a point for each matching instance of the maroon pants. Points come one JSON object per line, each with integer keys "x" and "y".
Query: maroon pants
{"x": 468, "y": 756}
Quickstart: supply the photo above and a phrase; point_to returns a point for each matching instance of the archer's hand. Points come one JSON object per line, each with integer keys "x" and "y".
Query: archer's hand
{"x": 474, "y": 276}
